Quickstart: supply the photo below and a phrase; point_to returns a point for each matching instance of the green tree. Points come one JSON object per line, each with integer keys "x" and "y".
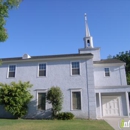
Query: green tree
{"x": 5, "y": 6}
{"x": 15, "y": 97}
{"x": 125, "y": 57}
{"x": 55, "y": 97}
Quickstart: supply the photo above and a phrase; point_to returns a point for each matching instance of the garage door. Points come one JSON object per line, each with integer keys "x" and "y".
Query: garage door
{"x": 110, "y": 106}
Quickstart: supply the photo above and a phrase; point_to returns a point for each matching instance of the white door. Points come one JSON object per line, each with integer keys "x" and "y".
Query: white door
{"x": 110, "y": 105}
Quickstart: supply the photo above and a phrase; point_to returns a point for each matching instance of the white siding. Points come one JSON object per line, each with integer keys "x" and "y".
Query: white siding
{"x": 58, "y": 74}
{"x": 117, "y": 76}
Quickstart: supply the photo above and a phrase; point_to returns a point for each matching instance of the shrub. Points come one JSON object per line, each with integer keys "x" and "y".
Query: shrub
{"x": 55, "y": 97}
{"x": 15, "y": 97}
{"x": 65, "y": 116}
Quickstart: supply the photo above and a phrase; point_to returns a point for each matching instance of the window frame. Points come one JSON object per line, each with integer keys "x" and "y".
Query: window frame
{"x": 41, "y": 91}
{"x": 38, "y": 70}
{"x": 76, "y": 90}
{"x": 105, "y": 72}
{"x": 8, "y": 70}
{"x": 72, "y": 68}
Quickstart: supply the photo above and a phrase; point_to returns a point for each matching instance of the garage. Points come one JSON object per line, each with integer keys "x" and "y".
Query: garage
{"x": 110, "y": 106}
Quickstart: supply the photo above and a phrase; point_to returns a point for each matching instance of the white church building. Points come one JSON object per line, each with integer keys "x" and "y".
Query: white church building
{"x": 92, "y": 88}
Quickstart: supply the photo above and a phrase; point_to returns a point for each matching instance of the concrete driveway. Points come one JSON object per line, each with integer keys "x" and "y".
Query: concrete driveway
{"x": 119, "y": 123}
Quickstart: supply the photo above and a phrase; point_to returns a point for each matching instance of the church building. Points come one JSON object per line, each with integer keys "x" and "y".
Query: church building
{"x": 93, "y": 88}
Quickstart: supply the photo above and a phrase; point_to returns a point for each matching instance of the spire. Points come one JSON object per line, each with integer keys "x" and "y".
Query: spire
{"x": 88, "y": 40}
{"x": 87, "y": 33}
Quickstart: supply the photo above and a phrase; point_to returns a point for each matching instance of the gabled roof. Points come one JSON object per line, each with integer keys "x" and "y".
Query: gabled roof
{"x": 107, "y": 61}
{"x": 47, "y": 57}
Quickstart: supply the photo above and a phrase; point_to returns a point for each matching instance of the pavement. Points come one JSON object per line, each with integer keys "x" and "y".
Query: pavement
{"x": 119, "y": 123}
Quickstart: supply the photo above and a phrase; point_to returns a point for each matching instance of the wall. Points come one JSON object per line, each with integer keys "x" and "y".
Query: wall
{"x": 58, "y": 74}
{"x": 94, "y": 51}
{"x": 117, "y": 76}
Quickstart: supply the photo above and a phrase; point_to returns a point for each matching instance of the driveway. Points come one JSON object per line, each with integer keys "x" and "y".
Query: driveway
{"x": 119, "y": 123}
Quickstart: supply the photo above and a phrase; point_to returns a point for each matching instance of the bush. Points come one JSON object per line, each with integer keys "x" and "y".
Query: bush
{"x": 65, "y": 116}
{"x": 15, "y": 97}
{"x": 55, "y": 97}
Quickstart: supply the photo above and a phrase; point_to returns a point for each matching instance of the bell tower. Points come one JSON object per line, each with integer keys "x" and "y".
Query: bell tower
{"x": 88, "y": 43}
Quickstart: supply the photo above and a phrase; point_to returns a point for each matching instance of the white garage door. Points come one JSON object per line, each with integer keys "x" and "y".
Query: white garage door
{"x": 110, "y": 106}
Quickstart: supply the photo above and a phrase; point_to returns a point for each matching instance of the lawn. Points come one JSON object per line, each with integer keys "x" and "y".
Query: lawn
{"x": 76, "y": 124}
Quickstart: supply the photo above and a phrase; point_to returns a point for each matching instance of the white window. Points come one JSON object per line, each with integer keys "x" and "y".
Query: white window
{"x": 75, "y": 68}
{"x": 107, "y": 72}
{"x": 76, "y": 99}
{"x": 11, "y": 71}
{"x": 42, "y": 69}
{"x": 41, "y": 101}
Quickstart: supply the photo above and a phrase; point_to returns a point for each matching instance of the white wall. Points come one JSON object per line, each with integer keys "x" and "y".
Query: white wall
{"x": 58, "y": 74}
{"x": 94, "y": 51}
{"x": 117, "y": 76}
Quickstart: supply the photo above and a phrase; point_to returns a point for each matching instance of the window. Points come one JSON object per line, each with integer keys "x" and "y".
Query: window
{"x": 42, "y": 70}
{"x": 75, "y": 68}
{"x": 41, "y": 101}
{"x": 88, "y": 41}
{"x": 76, "y": 100}
{"x": 107, "y": 72}
{"x": 11, "y": 72}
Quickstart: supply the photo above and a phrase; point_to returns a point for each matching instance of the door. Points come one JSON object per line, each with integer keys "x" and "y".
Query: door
{"x": 110, "y": 105}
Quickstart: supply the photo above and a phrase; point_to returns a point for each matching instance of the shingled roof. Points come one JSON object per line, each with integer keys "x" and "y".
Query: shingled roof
{"x": 106, "y": 61}
{"x": 47, "y": 57}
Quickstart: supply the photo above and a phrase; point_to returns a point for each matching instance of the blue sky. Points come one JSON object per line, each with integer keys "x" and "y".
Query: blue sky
{"x": 47, "y": 27}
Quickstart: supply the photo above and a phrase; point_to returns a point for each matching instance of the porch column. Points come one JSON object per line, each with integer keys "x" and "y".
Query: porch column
{"x": 100, "y": 104}
{"x": 127, "y": 102}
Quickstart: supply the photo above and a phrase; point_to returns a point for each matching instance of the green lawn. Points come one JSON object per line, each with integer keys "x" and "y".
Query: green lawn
{"x": 76, "y": 124}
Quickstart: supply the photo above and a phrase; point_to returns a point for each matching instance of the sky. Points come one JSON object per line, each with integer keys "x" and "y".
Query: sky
{"x": 49, "y": 27}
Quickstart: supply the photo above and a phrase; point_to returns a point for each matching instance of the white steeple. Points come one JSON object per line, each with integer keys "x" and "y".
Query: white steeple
{"x": 88, "y": 40}
{"x": 88, "y": 44}
{"x": 87, "y": 33}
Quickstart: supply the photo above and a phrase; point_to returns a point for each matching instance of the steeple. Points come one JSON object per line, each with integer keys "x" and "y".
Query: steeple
{"x": 87, "y": 33}
{"x": 88, "y": 44}
{"x": 88, "y": 40}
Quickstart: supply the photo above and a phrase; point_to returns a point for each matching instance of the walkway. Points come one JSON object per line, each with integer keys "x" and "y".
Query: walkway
{"x": 116, "y": 123}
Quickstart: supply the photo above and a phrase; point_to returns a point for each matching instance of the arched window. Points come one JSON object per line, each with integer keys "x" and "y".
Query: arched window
{"x": 88, "y": 41}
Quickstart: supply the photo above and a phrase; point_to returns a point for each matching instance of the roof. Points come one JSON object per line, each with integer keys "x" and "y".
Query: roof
{"x": 47, "y": 57}
{"x": 112, "y": 87}
{"x": 107, "y": 61}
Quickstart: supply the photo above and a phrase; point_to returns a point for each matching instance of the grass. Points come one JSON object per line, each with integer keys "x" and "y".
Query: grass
{"x": 76, "y": 124}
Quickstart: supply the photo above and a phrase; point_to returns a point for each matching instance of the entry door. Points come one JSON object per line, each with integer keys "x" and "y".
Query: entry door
{"x": 110, "y": 106}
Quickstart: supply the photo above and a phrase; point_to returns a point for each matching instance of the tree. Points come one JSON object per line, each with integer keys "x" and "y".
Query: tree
{"x": 128, "y": 78}
{"x": 15, "y": 97}
{"x": 5, "y": 6}
{"x": 55, "y": 97}
{"x": 125, "y": 57}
